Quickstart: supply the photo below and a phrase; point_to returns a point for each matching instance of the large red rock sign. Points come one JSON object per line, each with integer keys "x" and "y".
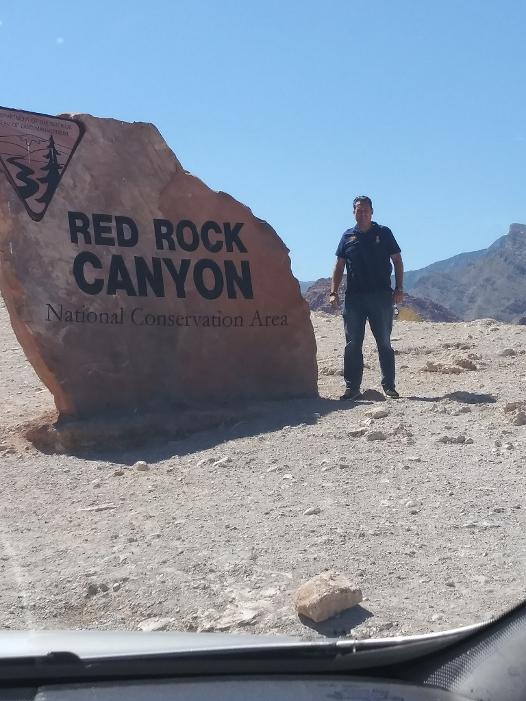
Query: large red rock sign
{"x": 131, "y": 284}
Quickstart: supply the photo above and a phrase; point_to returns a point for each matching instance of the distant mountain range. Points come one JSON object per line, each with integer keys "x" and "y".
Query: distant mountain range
{"x": 486, "y": 283}
{"x": 490, "y": 282}
{"x": 304, "y": 286}
{"x": 457, "y": 262}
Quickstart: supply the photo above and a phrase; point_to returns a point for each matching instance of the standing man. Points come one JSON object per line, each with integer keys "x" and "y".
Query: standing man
{"x": 366, "y": 251}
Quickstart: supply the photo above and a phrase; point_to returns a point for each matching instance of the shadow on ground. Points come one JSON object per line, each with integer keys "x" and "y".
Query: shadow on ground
{"x": 460, "y": 396}
{"x": 341, "y": 624}
{"x": 163, "y": 433}
{"x": 177, "y": 431}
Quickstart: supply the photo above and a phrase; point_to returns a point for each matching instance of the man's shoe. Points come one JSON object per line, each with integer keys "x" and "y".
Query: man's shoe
{"x": 391, "y": 393}
{"x": 350, "y": 394}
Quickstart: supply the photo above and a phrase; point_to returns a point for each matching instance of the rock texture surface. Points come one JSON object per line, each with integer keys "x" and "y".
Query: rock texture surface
{"x": 140, "y": 286}
{"x": 326, "y": 595}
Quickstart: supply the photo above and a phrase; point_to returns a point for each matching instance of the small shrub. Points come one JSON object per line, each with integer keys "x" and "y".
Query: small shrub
{"x": 408, "y": 314}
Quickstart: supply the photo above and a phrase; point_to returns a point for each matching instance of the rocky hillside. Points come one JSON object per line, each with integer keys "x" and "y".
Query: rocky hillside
{"x": 481, "y": 284}
{"x": 304, "y": 285}
{"x": 427, "y": 309}
{"x": 411, "y": 277}
{"x": 318, "y": 298}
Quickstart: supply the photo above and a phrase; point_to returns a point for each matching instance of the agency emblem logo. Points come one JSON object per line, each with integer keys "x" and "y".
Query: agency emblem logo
{"x": 35, "y": 150}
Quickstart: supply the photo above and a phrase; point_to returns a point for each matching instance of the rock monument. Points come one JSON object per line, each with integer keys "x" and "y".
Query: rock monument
{"x": 130, "y": 283}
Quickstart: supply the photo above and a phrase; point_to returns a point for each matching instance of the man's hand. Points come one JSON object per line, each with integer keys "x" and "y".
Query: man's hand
{"x": 334, "y": 299}
{"x": 335, "y": 283}
{"x": 398, "y": 296}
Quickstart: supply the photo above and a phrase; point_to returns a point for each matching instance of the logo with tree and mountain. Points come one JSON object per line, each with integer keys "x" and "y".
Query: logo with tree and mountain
{"x": 35, "y": 150}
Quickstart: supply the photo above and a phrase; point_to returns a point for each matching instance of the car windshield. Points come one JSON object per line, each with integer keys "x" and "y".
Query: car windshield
{"x": 313, "y": 426}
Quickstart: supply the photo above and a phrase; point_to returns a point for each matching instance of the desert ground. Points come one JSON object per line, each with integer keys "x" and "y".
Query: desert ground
{"x": 419, "y": 501}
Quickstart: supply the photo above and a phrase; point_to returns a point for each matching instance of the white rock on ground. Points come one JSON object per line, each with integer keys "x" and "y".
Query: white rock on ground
{"x": 326, "y": 595}
{"x": 379, "y": 413}
{"x": 312, "y": 511}
{"x": 152, "y": 624}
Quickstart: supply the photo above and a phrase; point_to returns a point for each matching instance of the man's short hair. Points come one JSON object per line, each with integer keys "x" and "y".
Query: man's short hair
{"x": 362, "y": 198}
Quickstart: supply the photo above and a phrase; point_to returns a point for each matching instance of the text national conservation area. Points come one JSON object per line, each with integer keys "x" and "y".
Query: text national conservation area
{"x": 140, "y": 317}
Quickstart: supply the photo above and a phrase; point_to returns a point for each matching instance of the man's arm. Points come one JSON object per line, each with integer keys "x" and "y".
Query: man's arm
{"x": 336, "y": 280}
{"x": 398, "y": 263}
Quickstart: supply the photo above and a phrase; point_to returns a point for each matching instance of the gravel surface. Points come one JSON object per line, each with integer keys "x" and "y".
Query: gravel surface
{"x": 419, "y": 501}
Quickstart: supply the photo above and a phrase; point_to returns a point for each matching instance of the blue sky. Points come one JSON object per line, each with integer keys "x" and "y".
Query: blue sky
{"x": 293, "y": 107}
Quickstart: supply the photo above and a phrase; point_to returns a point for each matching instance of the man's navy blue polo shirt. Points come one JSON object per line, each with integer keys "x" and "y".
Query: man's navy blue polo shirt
{"x": 368, "y": 258}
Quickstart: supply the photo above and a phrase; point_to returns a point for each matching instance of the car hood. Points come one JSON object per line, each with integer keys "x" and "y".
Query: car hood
{"x": 101, "y": 644}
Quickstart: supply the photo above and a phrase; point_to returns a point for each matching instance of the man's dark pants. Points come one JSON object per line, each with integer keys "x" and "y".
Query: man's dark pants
{"x": 377, "y": 307}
